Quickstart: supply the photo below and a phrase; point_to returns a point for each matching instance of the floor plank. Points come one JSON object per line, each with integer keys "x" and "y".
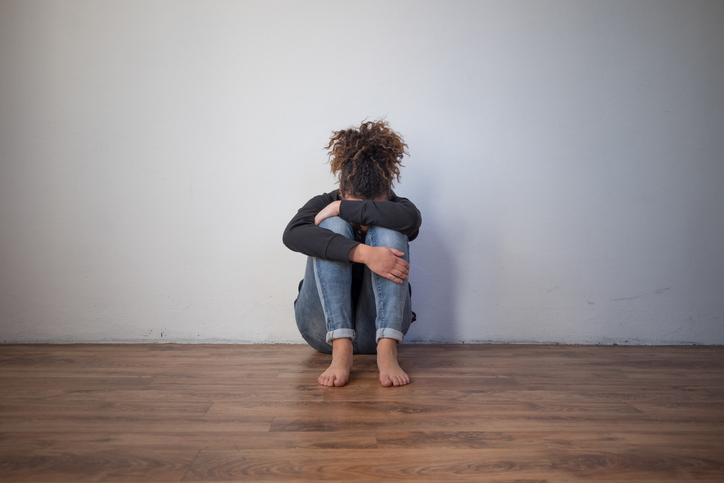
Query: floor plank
{"x": 460, "y": 465}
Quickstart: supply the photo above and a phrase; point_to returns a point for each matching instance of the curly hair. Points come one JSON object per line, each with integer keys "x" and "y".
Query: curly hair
{"x": 367, "y": 159}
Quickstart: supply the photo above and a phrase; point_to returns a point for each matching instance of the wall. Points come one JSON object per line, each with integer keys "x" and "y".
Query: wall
{"x": 567, "y": 157}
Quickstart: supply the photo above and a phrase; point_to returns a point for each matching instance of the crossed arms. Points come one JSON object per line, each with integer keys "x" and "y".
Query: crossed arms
{"x": 303, "y": 234}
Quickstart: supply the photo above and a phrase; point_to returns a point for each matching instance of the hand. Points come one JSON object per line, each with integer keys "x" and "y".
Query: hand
{"x": 328, "y": 211}
{"x": 384, "y": 261}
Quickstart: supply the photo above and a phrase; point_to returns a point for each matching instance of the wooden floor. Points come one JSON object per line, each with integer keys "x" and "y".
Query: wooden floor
{"x": 255, "y": 413}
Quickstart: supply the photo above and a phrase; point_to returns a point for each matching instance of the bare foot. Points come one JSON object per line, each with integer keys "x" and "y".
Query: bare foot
{"x": 390, "y": 372}
{"x": 337, "y": 374}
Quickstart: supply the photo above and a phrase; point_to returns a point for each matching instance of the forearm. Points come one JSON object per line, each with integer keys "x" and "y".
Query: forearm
{"x": 318, "y": 242}
{"x": 328, "y": 211}
{"x": 302, "y": 235}
{"x": 359, "y": 254}
{"x": 400, "y": 215}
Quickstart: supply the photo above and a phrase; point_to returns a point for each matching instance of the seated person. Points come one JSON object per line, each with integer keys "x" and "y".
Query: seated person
{"x": 355, "y": 297}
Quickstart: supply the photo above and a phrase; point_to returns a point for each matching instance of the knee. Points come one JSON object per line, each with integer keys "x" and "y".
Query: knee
{"x": 378, "y": 236}
{"x": 338, "y": 225}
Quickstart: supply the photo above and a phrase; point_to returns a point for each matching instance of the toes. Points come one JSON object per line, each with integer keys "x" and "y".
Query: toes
{"x": 332, "y": 380}
{"x": 395, "y": 381}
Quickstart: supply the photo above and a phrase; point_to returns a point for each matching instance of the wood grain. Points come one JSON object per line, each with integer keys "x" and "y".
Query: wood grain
{"x": 499, "y": 413}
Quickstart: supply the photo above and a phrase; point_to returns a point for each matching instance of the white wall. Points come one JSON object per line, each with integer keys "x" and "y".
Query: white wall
{"x": 567, "y": 156}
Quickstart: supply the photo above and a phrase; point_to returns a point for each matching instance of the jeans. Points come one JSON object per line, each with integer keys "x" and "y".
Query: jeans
{"x": 324, "y": 307}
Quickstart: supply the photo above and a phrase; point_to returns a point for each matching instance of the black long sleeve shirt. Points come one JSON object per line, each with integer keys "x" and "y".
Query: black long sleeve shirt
{"x": 302, "y": 235}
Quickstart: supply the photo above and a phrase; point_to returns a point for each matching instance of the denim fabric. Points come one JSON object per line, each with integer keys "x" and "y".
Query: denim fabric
{"x": 323, "y": 309}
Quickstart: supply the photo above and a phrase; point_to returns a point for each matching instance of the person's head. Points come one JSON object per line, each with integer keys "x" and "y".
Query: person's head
{"x": 366, "y": 160}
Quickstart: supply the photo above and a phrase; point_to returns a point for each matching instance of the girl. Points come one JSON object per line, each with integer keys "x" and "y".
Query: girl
{"x": 355, "y": 297}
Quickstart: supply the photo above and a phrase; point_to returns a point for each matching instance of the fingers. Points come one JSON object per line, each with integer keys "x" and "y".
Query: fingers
{"x": 400, "y": 254}
{"x": 397, "y": 275}
{"x": 389, "y": 276}
{"x": 402, "y": 267}
{"x": 388, "y": 263}
{"x": 401, "y": 270}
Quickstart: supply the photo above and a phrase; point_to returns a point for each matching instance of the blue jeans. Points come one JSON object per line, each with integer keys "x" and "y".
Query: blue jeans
{"x": 324, "y": 307}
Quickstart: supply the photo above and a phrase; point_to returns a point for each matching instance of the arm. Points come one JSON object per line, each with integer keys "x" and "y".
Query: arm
{"x": 302, "y": 235}
{"x": 398, "y": 214}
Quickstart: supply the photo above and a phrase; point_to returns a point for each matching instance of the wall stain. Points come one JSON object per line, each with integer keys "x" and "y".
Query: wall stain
{"x": 658, "y": 291}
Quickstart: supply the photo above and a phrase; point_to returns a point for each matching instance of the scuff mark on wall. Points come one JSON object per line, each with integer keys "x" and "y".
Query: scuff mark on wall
{"x": 658, "y": 291}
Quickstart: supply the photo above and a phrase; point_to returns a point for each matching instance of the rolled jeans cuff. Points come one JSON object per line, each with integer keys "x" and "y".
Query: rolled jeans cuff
{"x": 340, "y": 334}
{"x": 389, "y": 334}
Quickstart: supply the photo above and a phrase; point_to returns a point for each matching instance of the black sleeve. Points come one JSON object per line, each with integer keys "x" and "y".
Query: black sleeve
{"x": 302, "y": 235}
{"x": 397, "y": 214}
